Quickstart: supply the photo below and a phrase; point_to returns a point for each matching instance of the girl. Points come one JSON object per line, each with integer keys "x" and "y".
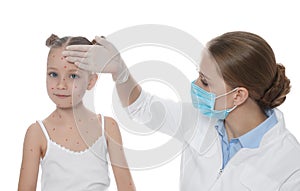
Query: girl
{"x": 72, "y": 143}
{"x": 240, "y": 141}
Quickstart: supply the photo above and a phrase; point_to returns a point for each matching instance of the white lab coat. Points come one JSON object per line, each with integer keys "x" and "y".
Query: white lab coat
{"x": 274, "y": 166}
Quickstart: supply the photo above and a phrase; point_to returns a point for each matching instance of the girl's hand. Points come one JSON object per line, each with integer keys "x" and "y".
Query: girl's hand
{"x": 101, "y": 58}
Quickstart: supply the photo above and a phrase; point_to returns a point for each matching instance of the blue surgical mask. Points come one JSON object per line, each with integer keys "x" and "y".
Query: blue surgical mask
{"x": 205, "y": 102}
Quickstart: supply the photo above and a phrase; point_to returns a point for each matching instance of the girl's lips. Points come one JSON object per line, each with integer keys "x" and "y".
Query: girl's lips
{"x": 61, "y": 96}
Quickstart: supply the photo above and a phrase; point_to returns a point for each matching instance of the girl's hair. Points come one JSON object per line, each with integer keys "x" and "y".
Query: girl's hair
{"x": 55, "y": 42}
{"x": 247, "y": 60}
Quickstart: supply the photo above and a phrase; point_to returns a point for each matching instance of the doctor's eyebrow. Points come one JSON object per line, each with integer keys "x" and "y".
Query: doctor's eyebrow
{"x": 201, "y": 74}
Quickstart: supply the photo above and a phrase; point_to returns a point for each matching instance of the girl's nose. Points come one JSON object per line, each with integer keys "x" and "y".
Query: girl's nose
{"x": 62, "y": 84}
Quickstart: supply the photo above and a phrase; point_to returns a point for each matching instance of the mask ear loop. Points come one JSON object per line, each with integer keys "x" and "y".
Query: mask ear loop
{"x": 230, "y": 110}
{"x": 227, "y": 93}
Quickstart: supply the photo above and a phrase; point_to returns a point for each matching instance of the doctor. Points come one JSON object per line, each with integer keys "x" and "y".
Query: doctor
{"x": 241, "y": 142}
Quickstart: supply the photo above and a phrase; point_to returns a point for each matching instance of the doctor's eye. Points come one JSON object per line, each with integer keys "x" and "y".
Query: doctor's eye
{"x": 74, "y": 76}
{"x": 52, "y": 74}
{"x": 203, "y": 80}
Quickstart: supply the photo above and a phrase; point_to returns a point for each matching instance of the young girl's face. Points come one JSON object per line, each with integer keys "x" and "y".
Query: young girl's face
{"x": 66, "y": 83}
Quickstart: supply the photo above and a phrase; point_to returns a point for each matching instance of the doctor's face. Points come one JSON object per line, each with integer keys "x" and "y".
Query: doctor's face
{"x": 211, "y": 80}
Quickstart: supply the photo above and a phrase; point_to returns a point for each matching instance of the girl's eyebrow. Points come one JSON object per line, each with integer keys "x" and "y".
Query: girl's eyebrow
{"x": 51, "y": 68}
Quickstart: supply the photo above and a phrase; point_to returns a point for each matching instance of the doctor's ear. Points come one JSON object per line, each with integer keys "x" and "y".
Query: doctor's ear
{"x": 92, "y": 81}
{"x": 241, "y": 95}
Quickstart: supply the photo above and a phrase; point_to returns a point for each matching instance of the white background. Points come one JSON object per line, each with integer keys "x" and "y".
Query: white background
{"x": 25, "y": 25}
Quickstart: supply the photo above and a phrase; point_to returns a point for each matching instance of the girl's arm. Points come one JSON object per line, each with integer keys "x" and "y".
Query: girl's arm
{"x": 117, "y": 157}
{"x": 32, "y": 150}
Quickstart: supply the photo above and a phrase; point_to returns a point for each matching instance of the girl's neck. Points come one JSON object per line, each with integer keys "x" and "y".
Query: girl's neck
{"x": 70, "y": 115}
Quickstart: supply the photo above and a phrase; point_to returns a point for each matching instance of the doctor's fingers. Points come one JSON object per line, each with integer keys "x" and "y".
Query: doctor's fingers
{"x": 75, "y": 59}
{"x": 81, "y": 48}
{"x": 71, "y": 53}
{"x": 102, "y": 41}
{"x": 83, "y": 66}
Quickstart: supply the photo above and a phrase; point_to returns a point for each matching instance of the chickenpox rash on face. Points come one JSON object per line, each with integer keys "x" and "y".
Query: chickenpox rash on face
{"x": 65, "y": 67}
{"x": 62, "y": 58}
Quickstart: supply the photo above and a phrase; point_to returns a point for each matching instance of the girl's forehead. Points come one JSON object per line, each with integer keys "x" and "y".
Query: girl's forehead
{"x": 56, "y": 59}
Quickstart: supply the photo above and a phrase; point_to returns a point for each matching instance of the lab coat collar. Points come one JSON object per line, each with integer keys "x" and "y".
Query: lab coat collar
{"x": 207, "y": 134}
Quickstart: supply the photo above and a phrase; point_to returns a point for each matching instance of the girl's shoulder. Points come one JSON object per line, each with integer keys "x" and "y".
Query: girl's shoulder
{"x": 34, "y": 131}
{"x": 111, "y": 128}
{"x": 35, "y": 136}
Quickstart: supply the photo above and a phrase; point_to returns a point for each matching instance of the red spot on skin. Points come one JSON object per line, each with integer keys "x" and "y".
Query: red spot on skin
{"x": 64, "y": 79}
{"x": 77, "y": 143}
{"x": 53, "y": 56}
{"x": 66, "y": 139}
{"x": 130, "y": 184}
{"x": 70, "y": 103}
{"x": 113, "y": 123}
{"x": 79, "y": 120}
{"x": 62, "y": 58}
{"x": 59, "y": 116}
{"x": 53, "y": 129}
{"x": 52, "y": 88}
{"x": 71, "y": 127}
{"x": 65, "y": 66}
{"x": 75, "y": 86}
{"x": 31, "y": 150}
{"x": 53, "y": 116}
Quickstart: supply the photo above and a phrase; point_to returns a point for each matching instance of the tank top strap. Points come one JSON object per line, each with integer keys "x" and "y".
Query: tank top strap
{"x": 44, "y": 130}
{"x": 102, "y": 123}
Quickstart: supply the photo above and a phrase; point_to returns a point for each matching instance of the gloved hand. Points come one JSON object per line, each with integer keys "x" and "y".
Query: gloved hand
{"x": 101, "y": 58}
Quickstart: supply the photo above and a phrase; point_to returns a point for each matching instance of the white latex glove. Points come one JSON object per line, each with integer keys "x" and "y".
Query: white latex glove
{"x": 102, "y": 58}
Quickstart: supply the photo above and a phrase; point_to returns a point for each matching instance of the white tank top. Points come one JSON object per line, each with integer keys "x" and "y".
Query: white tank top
{"x": 66, "y": 170}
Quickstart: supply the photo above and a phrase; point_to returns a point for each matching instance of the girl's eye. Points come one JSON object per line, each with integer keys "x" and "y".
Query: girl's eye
{"x": 52, "y": 74}
{"x": 74, "y": 76}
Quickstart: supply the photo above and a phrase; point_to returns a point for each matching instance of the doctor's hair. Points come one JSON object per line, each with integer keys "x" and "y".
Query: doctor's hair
{"x": 246, "y": 60}
{"x": 55, "y": 42}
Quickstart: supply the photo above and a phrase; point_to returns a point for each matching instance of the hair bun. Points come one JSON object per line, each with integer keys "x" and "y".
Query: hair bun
{"x": 276, "y": 94}
{"x": 51, "y": 40}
